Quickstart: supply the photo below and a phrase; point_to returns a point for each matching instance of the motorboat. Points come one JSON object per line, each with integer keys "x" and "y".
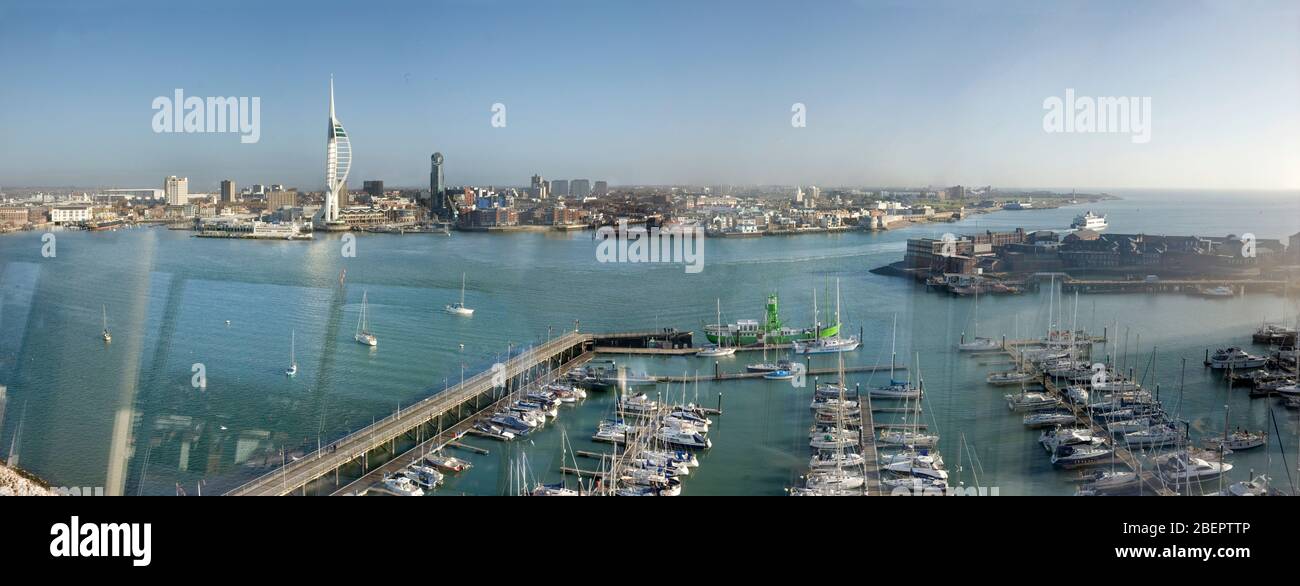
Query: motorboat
{"x": 1257, "y": 486}
{"x": 1235, "y": 358}
{"x": 402, "y": 486}
{"x": 919, "y": 466}
{"x": 1076, "y": 456}
{"x": 423, "y": 476}
{"x": 779, "y": 374}
{"x": 447, "y": 463}
{"x": 1103, "y": 482}
{"x": 1069, "y": 436}
{"x": 683, "y": 439}
{"x": 1181, "y": 468}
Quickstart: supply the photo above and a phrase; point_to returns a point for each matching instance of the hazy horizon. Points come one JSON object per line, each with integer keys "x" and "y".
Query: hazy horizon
{"x": 896, "y": 93}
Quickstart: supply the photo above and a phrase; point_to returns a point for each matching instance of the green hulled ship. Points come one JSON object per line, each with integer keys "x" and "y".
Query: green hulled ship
{"x": 748, "y": 332}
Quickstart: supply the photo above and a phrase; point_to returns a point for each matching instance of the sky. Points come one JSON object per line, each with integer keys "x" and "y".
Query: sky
{"x": 897, "y": 93}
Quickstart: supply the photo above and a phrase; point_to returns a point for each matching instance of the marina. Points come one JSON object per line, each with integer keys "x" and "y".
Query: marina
{"x": 252, "y": 417}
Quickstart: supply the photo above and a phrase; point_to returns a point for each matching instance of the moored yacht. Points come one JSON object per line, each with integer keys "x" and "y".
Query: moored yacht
{"x": 1235, "y": 358}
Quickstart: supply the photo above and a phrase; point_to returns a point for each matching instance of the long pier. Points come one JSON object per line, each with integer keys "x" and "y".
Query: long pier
{"x": 429, "y": 416}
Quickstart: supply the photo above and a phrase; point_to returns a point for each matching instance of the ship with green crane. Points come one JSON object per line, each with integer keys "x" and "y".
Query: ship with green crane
{"x": 749, "y": 332}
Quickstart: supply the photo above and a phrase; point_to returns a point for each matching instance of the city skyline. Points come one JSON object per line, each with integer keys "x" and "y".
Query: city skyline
{"x": 894, "y": 94}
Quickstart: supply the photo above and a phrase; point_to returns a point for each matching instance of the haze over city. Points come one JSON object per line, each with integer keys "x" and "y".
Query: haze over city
{"x": 897, "y": 93}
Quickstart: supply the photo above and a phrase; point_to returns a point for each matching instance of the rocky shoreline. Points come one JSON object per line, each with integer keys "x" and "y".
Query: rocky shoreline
{"x": 15, "y": 482}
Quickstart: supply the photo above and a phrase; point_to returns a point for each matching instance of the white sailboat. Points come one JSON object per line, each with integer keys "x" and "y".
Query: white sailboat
{"x": 718, "y": 349}
{"x": 978, "y": 344}
{"x": 106, "y": 335}
{"x": 459, "y": 308}
{"x": 363, "y": 326}
{"x": 830, "y": 344}
{"x": 293, "y": 362}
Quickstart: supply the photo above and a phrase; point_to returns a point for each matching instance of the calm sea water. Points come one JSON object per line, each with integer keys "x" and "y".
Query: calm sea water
{"x": 126, "y": 415}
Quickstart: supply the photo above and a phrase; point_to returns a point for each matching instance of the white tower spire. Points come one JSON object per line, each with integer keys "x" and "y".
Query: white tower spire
{"x": 338, "y": 161}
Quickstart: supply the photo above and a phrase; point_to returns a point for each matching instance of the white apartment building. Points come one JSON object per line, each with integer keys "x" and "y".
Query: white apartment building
{"x": 177, "y": 190}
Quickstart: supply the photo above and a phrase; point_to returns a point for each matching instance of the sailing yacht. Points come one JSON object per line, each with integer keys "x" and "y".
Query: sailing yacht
{"x": 978, "y": 344}
{"x": 293, "y": 363}
{"x": 459, "y": 308}
{"x": 363, "y": 326}
{"x": 718, "y": 349}
{"x": 820, "y": 345}
{"x": 107, "y": 336}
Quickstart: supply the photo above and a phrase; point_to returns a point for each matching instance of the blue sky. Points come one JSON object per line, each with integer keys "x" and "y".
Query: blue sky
{"x": 898, "y": 93}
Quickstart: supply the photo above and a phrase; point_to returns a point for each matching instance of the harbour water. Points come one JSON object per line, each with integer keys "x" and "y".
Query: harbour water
{"x": 127, "y": 415}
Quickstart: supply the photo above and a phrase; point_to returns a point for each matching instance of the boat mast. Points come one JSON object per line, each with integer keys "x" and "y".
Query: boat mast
{"x": 462, "y": 289}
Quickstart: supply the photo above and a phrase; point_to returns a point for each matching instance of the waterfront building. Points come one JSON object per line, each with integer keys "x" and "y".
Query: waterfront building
{"x": 177, "y": 190}
{"x": 540, "y": 187}
{"x": 338, "y": 162}
{"x": 13, "y": 216}
{"x": 560, "y": 187}
{"x": 228, "y": 191}
{"x": 440, "y": 200}
{"x": 70, "y": 214}
{"x": 580, "y": 188}
{"x": 281, "y": 199}
{"x": 141, "y": 193}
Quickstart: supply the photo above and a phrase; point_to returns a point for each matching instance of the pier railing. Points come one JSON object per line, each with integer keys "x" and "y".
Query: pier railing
{"x": 296, "y": 474}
